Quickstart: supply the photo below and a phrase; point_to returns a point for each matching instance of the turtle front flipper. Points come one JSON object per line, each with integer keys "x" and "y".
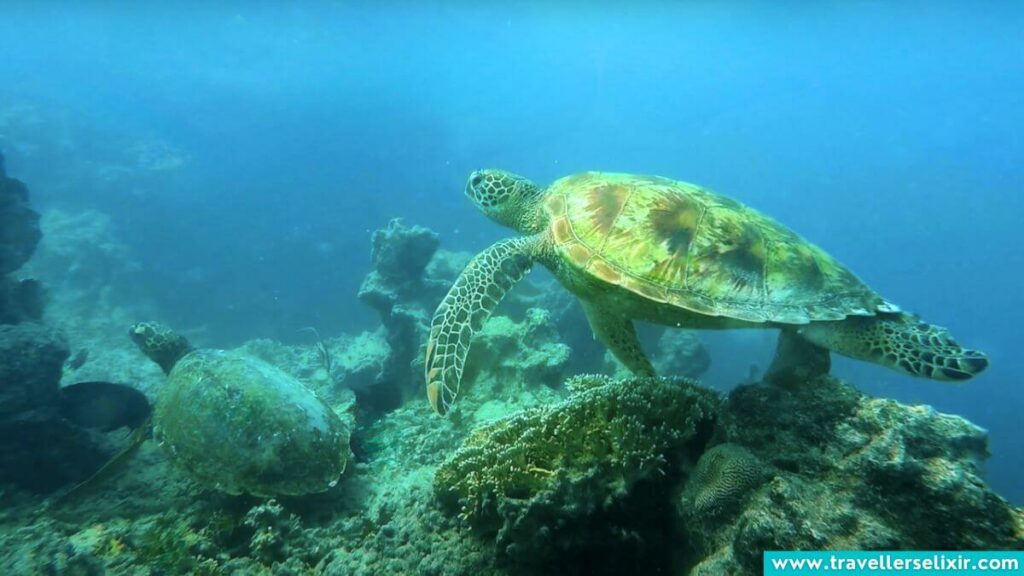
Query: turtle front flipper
{"x": 618, "y": 334}
{"x": 901, "y": 342}
{"x": 468, "y": 305}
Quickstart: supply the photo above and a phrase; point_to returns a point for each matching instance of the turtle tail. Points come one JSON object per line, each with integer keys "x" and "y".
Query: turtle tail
{"x": 899, "y": 341}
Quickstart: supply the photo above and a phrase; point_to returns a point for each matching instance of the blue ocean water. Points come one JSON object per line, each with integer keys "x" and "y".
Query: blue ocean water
{"x": 888, "y": 134}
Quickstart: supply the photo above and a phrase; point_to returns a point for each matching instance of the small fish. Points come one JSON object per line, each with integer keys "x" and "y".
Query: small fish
{"x": 104, "y": 406}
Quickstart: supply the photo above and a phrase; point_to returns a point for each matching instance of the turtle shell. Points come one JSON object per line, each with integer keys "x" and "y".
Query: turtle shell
{"x": 240, "y": 425}
{"x": 677, "y": 243}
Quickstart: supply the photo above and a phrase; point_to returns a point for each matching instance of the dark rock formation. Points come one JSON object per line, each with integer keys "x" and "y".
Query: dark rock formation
{"x": 19, "y": 236}
{"x": 31, "y": 360}
{"x": 851, "y": 472}
{"x": 19, "y": 224}
{"x": 49, "y": 452}
{"x": 39, "y": 450}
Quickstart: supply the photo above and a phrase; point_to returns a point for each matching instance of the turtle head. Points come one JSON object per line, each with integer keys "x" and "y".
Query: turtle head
{"x": 160, "y": 343}
{"x": 508, "y": 199}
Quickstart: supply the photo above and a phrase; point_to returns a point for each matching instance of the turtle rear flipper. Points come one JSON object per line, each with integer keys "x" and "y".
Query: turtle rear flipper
{"x": 111, "y": 468}
{"x": 902, "y": 342}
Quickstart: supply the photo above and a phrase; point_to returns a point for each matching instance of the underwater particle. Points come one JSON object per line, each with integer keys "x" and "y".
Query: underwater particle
{"x": 724, "y": 475}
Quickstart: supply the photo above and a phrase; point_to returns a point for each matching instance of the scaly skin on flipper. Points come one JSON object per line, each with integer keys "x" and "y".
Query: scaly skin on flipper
{"x": 466, "y": 308}
{"x": 901, "y": 342}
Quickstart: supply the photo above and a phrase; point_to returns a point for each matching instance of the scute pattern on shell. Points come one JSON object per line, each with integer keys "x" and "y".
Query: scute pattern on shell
{"x": 681, "y": 244}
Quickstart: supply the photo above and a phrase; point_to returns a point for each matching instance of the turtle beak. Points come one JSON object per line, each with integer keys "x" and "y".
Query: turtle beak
{"x": 473, "y": 185}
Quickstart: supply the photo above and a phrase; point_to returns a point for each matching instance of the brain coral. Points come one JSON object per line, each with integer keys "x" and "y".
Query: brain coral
{"x": 724, "y": 475}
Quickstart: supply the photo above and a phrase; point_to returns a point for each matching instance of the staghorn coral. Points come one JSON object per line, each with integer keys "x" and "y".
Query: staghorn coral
{"x": 582, "y": 480}
{"x": 724, "y": 476}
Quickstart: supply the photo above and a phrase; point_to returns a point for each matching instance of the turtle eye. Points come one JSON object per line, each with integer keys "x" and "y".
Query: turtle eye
{"x": 476, "y": 180}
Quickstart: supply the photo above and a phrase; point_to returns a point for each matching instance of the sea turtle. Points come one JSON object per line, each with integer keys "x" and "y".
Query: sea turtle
{"x": 648, "y": 248}
{"x": 237, "y": 424}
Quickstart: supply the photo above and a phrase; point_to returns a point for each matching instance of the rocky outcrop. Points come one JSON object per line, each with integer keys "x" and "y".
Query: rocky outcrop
{"x": 846, "y": 471}
{"x": 19, "y": 236}
{"x": 31, "y": 358}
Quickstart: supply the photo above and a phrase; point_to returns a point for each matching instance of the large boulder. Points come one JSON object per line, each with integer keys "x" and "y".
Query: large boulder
{"x": 822, "y": 466}
{"x": 31, "y": 362}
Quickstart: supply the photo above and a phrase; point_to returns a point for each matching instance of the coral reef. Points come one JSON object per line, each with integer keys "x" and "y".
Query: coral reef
{"x": 681, "y": 354}
{"x": 528, "y": 475}
{"x": 582, "y": 482}
{"x": 508, "y": 356}
{"x": 399, "y": 257}
{"x": 850, "y": 472}
{"x": 402, "y": 295}
{"x": 655, "y": 476}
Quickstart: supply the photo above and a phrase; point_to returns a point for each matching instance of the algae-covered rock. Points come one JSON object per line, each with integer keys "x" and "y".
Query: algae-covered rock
{"x": 681, "y": 353}
{"x": 848, "y": 472}
{"x": 399, "y": 257}
{"x": 398, "y": 288}
{"x": 240, "y": 425}
{"x": 520, "y": 352}
{"x": 584, "y": 480}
